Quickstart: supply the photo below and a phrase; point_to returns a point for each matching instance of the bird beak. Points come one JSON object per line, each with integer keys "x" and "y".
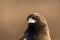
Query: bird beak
{"x": 31, "y": 20}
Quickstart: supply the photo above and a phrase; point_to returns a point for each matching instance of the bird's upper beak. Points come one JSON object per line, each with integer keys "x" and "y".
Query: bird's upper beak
{"x": 31, "y": 20}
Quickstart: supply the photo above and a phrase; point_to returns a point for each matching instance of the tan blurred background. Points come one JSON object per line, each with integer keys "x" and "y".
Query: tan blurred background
{"x": 13, "y": 16}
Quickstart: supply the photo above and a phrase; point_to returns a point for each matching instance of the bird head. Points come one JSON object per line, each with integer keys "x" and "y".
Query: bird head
{"x": 33, "y": 18}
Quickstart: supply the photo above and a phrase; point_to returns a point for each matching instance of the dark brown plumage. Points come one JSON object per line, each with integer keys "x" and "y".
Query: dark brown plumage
{"x": 38, "y": 30}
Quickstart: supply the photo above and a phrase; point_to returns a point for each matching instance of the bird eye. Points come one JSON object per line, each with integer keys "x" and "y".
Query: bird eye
{"x": 36, "y": 17}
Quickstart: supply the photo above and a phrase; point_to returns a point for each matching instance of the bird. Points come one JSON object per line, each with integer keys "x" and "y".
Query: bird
{"x": 37, "y": 28}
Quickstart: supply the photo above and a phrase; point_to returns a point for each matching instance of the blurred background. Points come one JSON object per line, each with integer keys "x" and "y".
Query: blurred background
{"x": 13, "y": 17}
